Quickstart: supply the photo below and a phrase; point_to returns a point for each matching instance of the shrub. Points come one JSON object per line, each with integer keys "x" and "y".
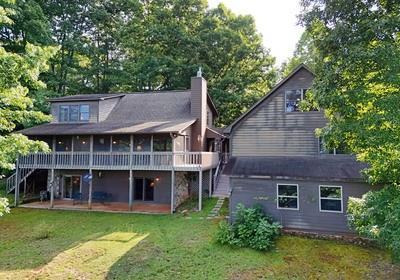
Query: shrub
{"x": 377, "y": 216}
{"x": 4, "y": 206}
{"x": 252, "y": 229}
{"x": 42, "y": 231}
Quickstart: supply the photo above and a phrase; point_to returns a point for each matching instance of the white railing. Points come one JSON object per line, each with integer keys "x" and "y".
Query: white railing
{"x": 120, "y": 160}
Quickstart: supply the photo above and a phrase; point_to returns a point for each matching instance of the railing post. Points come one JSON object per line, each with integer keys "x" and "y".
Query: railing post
{"x": 52, "y": 189}
{"x": 91, "y": 152}
{"x": 16, "y": 190}
{"x": 200, "y": 189}
{"x": 172, "y": 190}
{"x": 130, "y": 189}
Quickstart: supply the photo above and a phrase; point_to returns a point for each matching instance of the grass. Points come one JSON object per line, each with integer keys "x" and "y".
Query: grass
{"x": 43, "y": 244}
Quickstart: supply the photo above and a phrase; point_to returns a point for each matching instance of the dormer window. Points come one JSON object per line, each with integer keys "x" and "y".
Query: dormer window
{"x": 293, "y": 99}
{"x": 74, "y": 113}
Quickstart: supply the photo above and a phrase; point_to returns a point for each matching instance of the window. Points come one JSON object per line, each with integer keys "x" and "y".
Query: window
{"x": 63, "y": 144}
{"x": 81, "y": 143}
{"x": 64, "y": 112}
{"x": 330, "y": 199}
{"x": 162, "y": 143}
{"x": 142, "y": 143}
{"x": 121, "y": 143}
{"x": 288, "y": 197}
{"x": 84, "y": 113}
{"x": 101, "y": 143}
{"x": 74, "y": 113}
{"x": 293, "y": 99}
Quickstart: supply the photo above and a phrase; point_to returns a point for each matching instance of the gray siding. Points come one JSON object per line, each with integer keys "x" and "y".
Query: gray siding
{"x": 117, "y": 184}
{"x": 270, "y": 131}
{"x": 264, "y": 192}
{"x": 94, "y": 109}
{"x": 106, "y": 106}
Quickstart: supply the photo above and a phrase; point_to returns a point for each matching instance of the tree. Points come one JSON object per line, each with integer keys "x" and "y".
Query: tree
{"x": 305, "y": 53}
{"x": 358, "y": 84}
{"x": 166, "y": 42}
{"x": 18, "y": 72}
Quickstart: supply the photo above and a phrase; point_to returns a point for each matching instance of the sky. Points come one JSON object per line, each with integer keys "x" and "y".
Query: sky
{"x": 276, "y": 20}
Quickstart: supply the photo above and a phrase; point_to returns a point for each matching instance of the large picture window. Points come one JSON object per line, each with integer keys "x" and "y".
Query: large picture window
{"x": 288, "y": 196}
{"x": 74, "y": 113}
{"x": 330, "y": 199}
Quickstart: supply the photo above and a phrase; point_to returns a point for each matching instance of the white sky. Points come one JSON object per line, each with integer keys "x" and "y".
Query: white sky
{"x": 276, "y": 20}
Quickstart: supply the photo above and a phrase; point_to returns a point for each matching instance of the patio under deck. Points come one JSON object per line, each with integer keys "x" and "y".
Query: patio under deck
{"x": 119, "y": 207}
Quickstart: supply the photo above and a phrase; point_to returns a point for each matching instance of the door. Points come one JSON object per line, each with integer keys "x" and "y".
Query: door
{"x": 144, "y": 189}
{"x": 149, "y": 190}
{"x": 71, "y": 186}
{"x": 138, "y": 189}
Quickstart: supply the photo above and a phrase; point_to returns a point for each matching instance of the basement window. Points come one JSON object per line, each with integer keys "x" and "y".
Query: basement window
{"x": 288, "y": 196}
{"x": 330, "y": 199}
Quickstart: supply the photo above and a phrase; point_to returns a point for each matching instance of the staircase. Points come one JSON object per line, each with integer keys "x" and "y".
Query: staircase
{"x": 222, "y": 187}
{"x": 23, "y": 174}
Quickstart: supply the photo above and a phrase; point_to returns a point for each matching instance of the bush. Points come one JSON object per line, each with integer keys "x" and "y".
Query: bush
{"x": 377, "y": 216}
{"x": 4, "y": 206}
{"x": 251, "y": 229}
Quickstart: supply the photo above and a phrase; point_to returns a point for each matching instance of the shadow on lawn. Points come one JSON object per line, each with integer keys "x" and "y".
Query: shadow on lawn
{"x": 30, "y": 239}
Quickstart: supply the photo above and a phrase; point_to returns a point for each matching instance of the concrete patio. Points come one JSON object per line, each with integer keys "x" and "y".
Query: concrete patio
{"x": 119, "y": 207}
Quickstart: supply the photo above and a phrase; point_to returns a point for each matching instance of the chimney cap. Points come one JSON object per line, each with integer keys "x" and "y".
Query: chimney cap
{"x": 199, "y": 73}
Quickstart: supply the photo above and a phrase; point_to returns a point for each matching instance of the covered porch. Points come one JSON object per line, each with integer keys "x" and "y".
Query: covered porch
{"x": 118, "y": 207}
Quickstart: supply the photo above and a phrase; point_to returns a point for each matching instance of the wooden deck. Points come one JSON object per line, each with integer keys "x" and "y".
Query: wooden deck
{"x": 119, "y": 207}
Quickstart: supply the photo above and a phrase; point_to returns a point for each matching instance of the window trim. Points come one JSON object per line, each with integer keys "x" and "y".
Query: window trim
{"x": 320, "y": 198}
{"x": 278, "y": 196}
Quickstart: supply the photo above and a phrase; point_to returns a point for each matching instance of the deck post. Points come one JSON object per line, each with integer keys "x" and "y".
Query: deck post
{"x": 210, "y": 183}
{"x": 16, "y": 188}
{"x": 90, "y": 190}
{"x": 172, "y": 190}
{"x": 130, "y": 189}
{"x": 200, "y": 189}
{"x": 52, "y": 189}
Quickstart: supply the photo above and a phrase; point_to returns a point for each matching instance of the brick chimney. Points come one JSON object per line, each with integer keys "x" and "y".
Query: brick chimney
{"x": 198, "y": 107}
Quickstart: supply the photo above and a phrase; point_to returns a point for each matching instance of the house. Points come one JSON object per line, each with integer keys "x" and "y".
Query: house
{"x": 278, "y": 162}
{"x": 130, "y": 152}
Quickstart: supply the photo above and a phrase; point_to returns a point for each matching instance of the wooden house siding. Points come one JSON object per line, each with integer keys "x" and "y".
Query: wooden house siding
{"x": 263, "y": 192}
{"x": 269, "y": 130}
{"x": 106, "y": 106}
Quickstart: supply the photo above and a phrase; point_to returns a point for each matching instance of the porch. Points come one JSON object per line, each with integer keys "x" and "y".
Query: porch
{"x": 118, "y": 207}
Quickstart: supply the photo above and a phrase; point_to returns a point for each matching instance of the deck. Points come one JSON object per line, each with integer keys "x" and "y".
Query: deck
{"x": 179, "y": 161}
{"x": 118, "y": 207}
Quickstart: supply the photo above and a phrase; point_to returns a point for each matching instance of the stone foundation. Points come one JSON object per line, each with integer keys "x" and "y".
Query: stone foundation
{"x": 181, "y": 188}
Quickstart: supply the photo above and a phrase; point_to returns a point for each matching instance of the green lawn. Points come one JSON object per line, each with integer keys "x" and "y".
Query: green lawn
{"x": 42, "y": 244}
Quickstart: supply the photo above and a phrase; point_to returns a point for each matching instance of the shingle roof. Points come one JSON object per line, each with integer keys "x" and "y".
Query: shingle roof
{"x": 324, "y": 167}
{"x": 106, "y": 127}
{"x": 87, "y": 97}
{"x": 170, "y": 105}
{"x": 135, "y": 113}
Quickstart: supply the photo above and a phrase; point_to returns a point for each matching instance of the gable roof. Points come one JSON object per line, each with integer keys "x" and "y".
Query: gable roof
{"x": 321, "y": 167}
{"x": 229, "y": 128}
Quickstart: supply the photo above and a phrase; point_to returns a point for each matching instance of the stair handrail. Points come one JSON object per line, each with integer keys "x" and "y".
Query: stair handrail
{"x": 217, "y": 172}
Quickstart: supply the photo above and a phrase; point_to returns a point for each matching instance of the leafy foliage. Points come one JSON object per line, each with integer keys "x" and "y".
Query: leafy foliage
{"x": 251, "y": 229}
{"x": 358, "y": 85}
{"x": 108, "y": 46}
{"x": 377, "y": 216}
{"x": 18, "y": 73}
{"x": 4, "y": 207}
